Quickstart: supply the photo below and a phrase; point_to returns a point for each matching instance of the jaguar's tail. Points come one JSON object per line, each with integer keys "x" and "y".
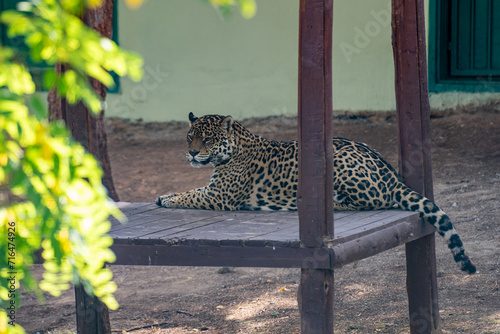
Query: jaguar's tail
{"x": 410, "y": 200}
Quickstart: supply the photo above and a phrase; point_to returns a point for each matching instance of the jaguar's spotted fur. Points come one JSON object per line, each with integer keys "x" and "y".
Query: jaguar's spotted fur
{"x": 254, "y": 173}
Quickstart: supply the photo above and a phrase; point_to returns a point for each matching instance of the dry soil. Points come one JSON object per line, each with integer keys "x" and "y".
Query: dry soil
{"x": 370, "y": 297}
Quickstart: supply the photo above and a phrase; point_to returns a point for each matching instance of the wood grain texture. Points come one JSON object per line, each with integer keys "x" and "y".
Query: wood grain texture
{"x": 413, "y": 114}
{"x": 315, "y": 297}
{"x": 147, "y": 221}
{"x": 315, "y": 189}
{"x": 88, "y": 129}
{"x": 248, "y": 239}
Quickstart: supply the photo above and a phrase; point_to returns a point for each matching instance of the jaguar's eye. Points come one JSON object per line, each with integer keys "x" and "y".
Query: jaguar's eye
{"x": 189, "y": 139}
{"x": 208, "y": 141}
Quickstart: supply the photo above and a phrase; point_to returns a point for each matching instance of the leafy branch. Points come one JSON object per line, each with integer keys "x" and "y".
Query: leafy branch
{"x": 50, "y": 188}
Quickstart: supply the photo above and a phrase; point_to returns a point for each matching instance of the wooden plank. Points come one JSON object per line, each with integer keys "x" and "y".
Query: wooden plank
{"x": 126, "y": 206}
{"x": 400, "y": 227}
{"x": 149, "y": 226}
{"x": 140, "y": 222}
{"x": 132, "y": 209}
{"x": 290, "y": 232}
{"x": 371, "y": 244}
{"x": 129, "y": 210}
{"x": 364, "y": 218}
{"x": 348, "y": 220}
{"x": 225, "y": 230}
{"x": 203, "y": 228}
{"x": 210, "y": 255}
{"x": 168, "y": 232}
{"x": 408, "y": 26}
{"x": 376, "y": 223}
{"x": 235, "y": 228}
{"x": 271, "y": 226}
{"x": 136, "y": 212}
{"x": 168, "y": 216}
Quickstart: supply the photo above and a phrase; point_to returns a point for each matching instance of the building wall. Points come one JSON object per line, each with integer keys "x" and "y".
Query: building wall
{"x": 196, "y": 61}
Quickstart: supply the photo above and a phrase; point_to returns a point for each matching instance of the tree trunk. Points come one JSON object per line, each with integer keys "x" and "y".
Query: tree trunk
{"x": 101, "y": 20}
{"x": 89, "y": 129}
{"x": 91, "y": 313}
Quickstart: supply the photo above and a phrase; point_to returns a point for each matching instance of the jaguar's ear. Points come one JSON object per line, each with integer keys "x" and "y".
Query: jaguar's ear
{"x": 192, "y": 118}
{"x": 227, "y": 124}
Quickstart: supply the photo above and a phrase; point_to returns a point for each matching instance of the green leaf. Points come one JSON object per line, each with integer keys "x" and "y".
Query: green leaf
{"x": 248, "y": 8}
{"x": 60, "y": 204}
{"x": 19, "y": 180}
{"x": 38, "y": 108}
{"x": 49, "y": 79}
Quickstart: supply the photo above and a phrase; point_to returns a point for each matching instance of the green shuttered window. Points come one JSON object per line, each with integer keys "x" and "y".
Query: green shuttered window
{"x": 464, "y": 45}
{"x": 475, "y": 37}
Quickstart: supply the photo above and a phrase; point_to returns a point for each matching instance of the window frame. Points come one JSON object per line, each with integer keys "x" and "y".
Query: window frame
{"x": 439, "y": 71}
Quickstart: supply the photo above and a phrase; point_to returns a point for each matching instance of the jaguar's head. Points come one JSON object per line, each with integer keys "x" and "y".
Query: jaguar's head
{"x": 210, "y": 140}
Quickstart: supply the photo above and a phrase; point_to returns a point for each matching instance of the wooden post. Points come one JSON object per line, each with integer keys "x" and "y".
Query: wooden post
{"x": 92, "y": 316}
{"x": 315, "y": 192}
{"x": 413, "y": 113}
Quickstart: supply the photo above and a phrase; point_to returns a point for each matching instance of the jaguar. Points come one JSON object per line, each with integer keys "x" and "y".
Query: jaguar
{"x": 255, "y": 173}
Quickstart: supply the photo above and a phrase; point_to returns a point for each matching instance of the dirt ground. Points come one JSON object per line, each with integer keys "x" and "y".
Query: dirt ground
{"x": 370, "y": 297}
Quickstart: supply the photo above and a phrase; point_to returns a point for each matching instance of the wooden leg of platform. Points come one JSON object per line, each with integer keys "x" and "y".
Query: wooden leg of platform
{"x": 315, "y": 298}
{"x": 92, "y": 316}
{"x": 421, "y": 284}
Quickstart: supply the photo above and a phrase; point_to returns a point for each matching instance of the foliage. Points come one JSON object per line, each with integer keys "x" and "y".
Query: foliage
{"x": 247, "y": 8}
{"x": 51, "y": 195}
{"x": 54, "y": 35}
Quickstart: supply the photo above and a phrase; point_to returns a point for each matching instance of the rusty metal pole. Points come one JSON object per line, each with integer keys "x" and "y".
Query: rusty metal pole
{"x": 315, "y": 192}
{"x": 413, "y": 114}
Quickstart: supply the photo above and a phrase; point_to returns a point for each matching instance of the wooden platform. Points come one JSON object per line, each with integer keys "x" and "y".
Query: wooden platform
{"x": 159, "y": 236}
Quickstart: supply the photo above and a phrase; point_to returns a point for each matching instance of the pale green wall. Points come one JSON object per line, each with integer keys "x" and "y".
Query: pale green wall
{"x": 196, "y": 61}
{"x": 233, "y": 66}
{"x": 363, "y": 72}
{"x": 248, "y": 67}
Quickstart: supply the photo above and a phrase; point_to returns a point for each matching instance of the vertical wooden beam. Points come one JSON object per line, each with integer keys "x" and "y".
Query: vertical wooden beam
{"x": 315, "y": 193}
{"x": 315, "y": 297}
{"x": 92, "y": 316}
{"x": 413, "y": 113}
